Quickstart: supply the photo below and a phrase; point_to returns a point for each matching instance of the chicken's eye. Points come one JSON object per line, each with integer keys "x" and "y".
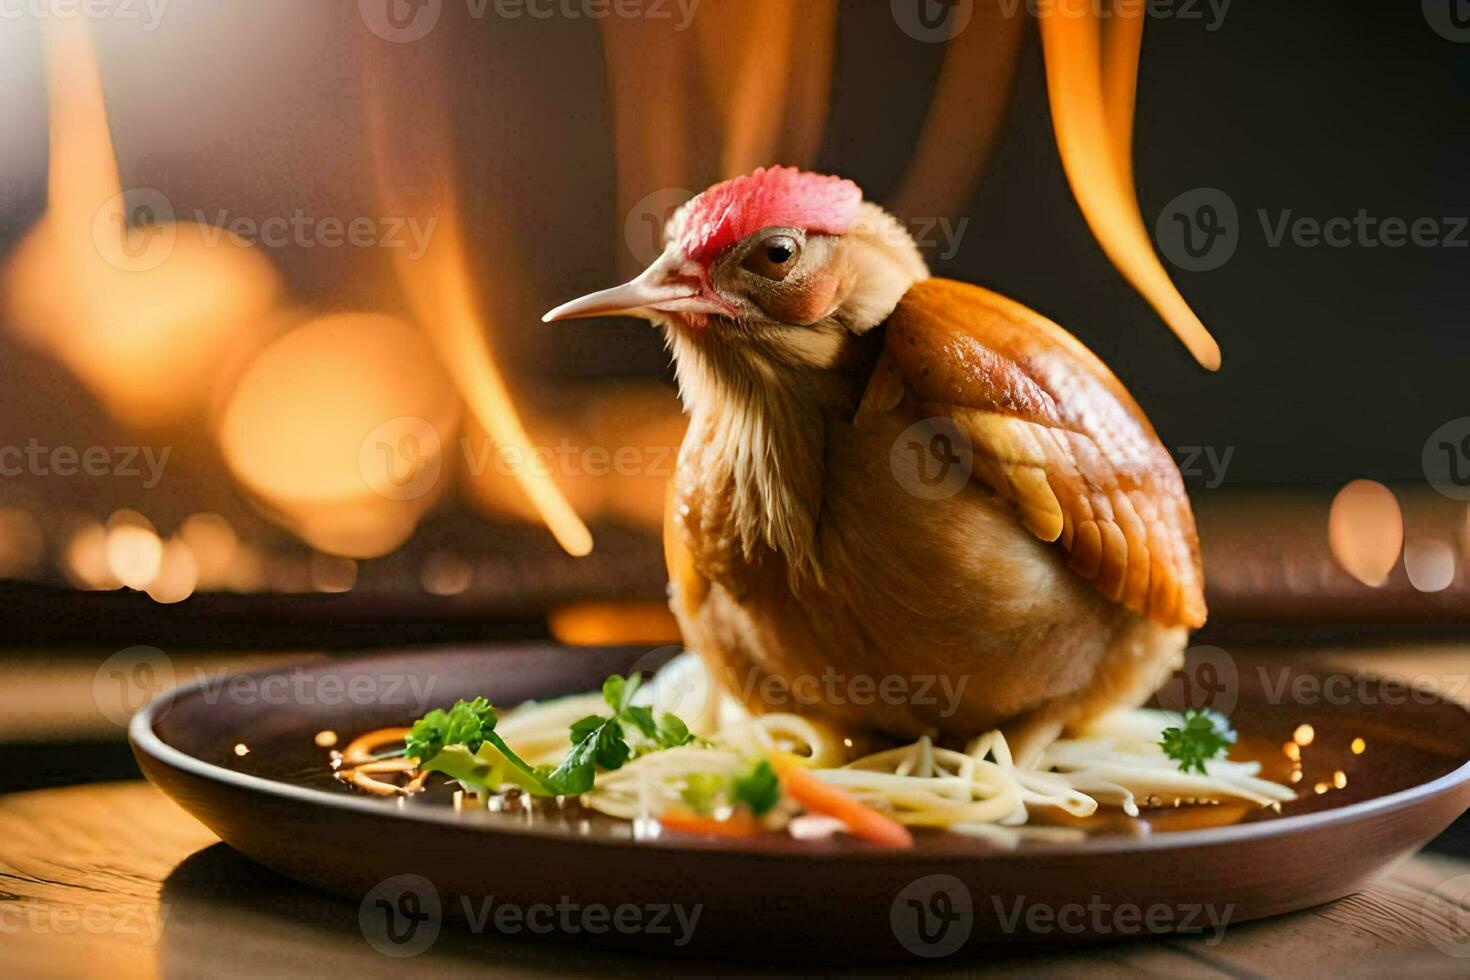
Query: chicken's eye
{"x": 774, "y": 257}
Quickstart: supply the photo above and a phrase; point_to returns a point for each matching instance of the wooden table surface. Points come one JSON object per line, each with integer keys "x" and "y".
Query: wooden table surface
{"x": 114, "y": 879}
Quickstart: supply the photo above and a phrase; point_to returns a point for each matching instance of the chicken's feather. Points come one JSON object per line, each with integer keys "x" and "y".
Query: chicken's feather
{"x": 1054, "y": 432}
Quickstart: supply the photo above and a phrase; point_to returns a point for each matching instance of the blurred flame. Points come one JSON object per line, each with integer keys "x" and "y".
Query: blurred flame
{"x": 612, "y": 623}
{"x": 767, "y": 68}
{"x": 446, "y": 574}
{"x": 440, "y": 291}
{"x": 650, "y": 73}
{"x": 1089, "y": 95}
{"x": 178, "y": 574}
{"x": 148, "y": 315}
{"x": 965, "y": 117}
{"x": 1365, "y": 530}
{"x": 1429, "y": 563}
{"x": 85, "y": 561}
{"x": 21, "y": 543}
{"x": 808, "y": 92}
{"x": 1122, "y": 42}
{"x": 214, "y": 545}
{"x": 612, "y": 453}
{"x": 247, "y": 571}
{"x": 134, "y": 551}
{"x": 761, "y": 69}
{"x": 332, "y": 574}
{"x": 341, "y": 428}
{"x": 82, "y": 173}
{"x": 288, "y": 575}
{"x": 744, "y": 50}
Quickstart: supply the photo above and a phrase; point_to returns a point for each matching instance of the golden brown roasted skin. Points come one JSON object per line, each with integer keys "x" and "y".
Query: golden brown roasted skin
{"x": 1059, "y": 581}
{"x": 1056, "y": 433}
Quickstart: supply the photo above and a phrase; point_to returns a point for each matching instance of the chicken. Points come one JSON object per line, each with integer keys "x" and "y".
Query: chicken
{"x": 905, "y": 503}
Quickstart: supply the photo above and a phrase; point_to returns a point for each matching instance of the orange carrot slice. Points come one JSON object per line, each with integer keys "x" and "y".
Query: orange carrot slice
{"x": 863, "y": 822}
{"x": 738, "y": 824}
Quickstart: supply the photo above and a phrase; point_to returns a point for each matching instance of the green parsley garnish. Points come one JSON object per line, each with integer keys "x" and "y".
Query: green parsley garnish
{"x": 454, "y": 742}
{"x": 599, "y": 742}
{"x": 759, "y": 789}
{"x": 1206, "y": 735}
{"x": 470, "y": 725}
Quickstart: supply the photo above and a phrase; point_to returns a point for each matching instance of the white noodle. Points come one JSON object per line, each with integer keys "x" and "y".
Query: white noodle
{"x": 980, "y": 792}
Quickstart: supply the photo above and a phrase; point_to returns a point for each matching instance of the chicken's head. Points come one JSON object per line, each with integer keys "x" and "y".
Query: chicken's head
{"x": 780, "y": 264}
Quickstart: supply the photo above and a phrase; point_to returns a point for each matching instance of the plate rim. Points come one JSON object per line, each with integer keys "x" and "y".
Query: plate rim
{"x": 144, "y": 739}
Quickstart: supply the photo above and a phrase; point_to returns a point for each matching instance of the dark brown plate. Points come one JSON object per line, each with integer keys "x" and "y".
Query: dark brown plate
{"x": 413, "y": 863}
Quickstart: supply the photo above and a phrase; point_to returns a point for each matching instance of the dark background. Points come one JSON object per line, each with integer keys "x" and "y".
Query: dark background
{"x": 1338, "y": 362}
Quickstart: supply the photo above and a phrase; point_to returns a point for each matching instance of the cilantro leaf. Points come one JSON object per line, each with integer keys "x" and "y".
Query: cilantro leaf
{"x": 759, "y": 789}
{"x": 584, "y": 727}
{"x": 470, "y": 724}
{"x": 642, "y": 719}
{"x": 602, "y": 743}
{"x": 596, "y": 742}
{"x": 617, "y": 691}
{"x": 481, "y": 757}
{"x": 467, "y": 724}
{"x": 672, "y": 732}
{"x": 1205, "y": 735}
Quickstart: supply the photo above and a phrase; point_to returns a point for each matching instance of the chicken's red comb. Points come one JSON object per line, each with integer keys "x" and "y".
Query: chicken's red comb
{"x": 764, "y": 198}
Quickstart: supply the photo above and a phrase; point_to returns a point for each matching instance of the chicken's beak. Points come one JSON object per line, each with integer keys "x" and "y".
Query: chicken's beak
{"x": 670, "y": 285}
